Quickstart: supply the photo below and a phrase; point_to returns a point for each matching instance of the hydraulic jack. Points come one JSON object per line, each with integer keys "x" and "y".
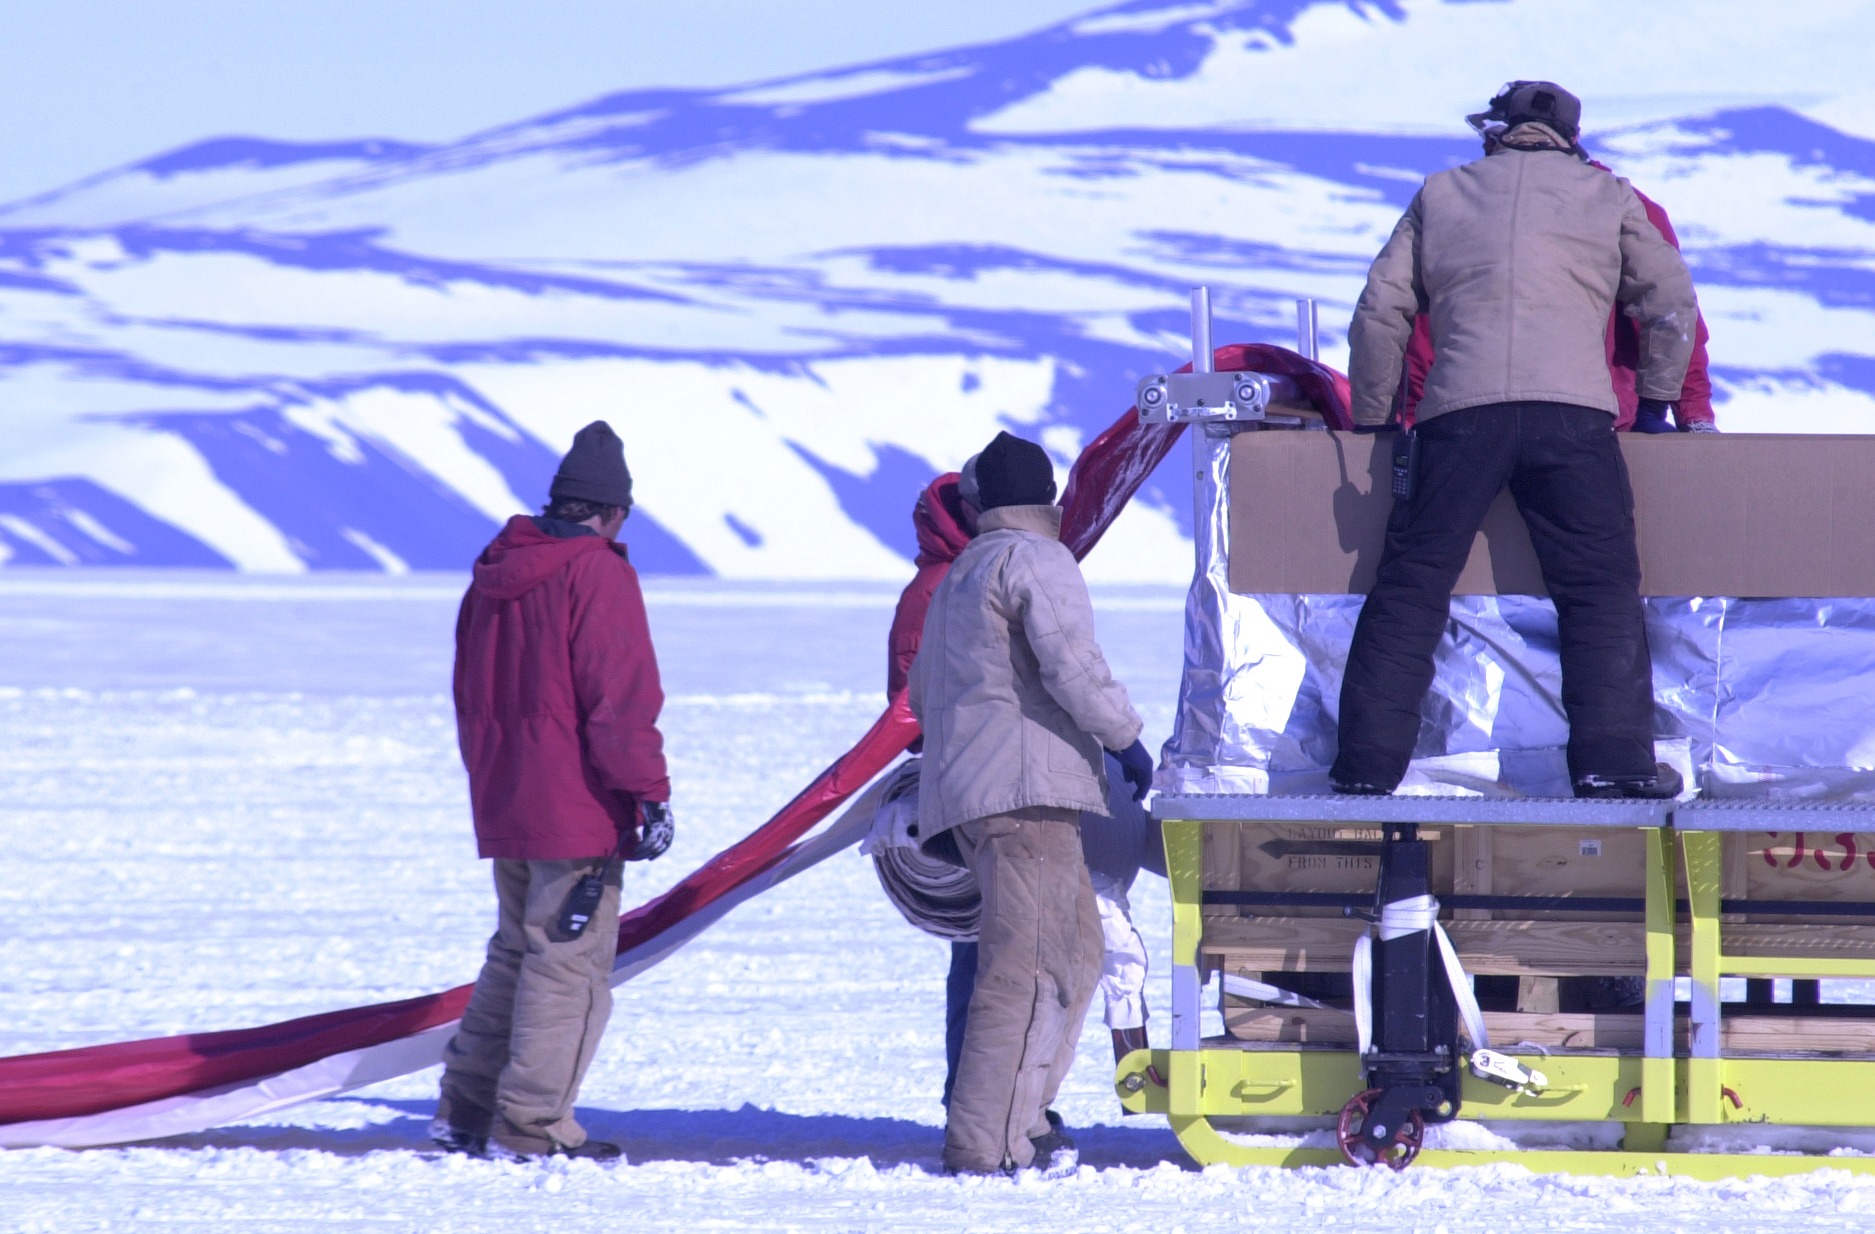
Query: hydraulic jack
{"x": 1407, "y": 1015}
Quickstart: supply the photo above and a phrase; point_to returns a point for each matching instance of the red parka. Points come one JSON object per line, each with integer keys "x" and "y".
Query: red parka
{"x": 1624, "y": 352}
{"x": 939, "y": 520}
{"x": 557, "y": 696}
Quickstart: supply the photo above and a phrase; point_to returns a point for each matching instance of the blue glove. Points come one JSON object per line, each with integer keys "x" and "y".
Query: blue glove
{"x": 657, "y": 832}
{"x": 1137, "y": 766}
{"x": 1651, "y": 417}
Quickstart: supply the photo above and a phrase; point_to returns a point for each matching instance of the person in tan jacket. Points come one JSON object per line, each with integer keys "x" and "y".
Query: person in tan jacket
{"x": 1517, "y": 260}
{"x": 1016, "y": 703}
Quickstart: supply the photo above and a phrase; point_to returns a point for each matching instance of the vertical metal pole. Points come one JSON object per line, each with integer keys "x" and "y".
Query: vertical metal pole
{"x": 1203, "y": 444}
{"x": 1202, "y": 356}
{"x": 1184, "y": 864}
{"x": 1308, "y": 339}
{"x": 1184, "y": 867}
{"x": 1704, "y": 1070}
{"x": 1658, "y": 1082}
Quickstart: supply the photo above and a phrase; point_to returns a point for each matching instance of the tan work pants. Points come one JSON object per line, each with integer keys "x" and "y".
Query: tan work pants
{"x": 1038, "y": 961}
{"x": 539, "y": 1008}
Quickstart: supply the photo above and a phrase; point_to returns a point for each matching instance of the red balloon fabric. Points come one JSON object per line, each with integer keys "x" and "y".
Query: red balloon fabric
{"x": 68, "y": 1083}
{"x": 71, "y": 1083}
{"x": 1114, "y": 465}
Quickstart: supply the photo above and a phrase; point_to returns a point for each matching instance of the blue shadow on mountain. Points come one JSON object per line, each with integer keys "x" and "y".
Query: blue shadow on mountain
{"x": 72, "y": 521}
{"x": 222, "y": 153}
{"x": 351, "y": 504}
{"x": 881, "y": 502}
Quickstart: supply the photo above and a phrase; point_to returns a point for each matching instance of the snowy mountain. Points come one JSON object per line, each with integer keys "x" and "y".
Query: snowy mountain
{"x": 799, "y": 300}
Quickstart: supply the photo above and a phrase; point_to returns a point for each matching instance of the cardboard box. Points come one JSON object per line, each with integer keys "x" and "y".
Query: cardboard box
{"x": 1716, "y": 514}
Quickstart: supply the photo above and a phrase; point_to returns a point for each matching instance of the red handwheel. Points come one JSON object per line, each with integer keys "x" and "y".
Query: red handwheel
{"x": 1350, "y": 1133}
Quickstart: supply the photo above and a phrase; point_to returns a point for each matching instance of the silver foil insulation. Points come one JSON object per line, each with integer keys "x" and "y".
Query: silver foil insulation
{"x": 1755, "y": 697}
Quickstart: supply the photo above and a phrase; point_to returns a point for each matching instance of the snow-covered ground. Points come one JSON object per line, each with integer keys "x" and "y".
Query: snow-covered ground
{"x": 228, "y": 801}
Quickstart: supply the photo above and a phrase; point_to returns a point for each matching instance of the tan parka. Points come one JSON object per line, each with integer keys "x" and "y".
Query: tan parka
{"x": 1517, "y": 259}
{"x": 1012, "y": 690}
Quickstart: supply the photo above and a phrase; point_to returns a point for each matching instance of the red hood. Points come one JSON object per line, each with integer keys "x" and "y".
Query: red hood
{"x": 523, "y": 556}
{"x": 938, "y": 517}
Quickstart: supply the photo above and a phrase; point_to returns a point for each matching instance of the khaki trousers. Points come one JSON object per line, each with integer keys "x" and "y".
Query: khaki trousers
{"x": 1038, "y": 961}
{"x": 540, "y": 1006}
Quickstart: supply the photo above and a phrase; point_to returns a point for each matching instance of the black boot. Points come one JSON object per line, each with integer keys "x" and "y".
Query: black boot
{"x": 459, "y": 1128}
{"x": 1054, "y": 1140}
{"x": 1665, "y": 784}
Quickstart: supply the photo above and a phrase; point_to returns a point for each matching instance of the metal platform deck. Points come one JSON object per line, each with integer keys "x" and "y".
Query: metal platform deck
{"x": 1774, "y": 815}
{"x": 1528, "y": 811}
{"x": 1762, "y": 814}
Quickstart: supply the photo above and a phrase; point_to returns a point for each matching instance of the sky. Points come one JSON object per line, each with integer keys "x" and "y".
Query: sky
{"x": 90, "y": 84}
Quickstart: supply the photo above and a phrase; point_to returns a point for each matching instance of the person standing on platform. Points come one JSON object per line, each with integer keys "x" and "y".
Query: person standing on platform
{"x": 1516, "y": 259}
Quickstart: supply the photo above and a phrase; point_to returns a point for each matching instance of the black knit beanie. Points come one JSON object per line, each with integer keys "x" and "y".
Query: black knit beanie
{"x": 594, "y": 469}
{"x": 1014, "y": 472}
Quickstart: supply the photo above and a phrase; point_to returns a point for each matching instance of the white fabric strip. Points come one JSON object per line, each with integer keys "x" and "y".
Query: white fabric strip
{"x": 354, "y": 1069}
{"x": 1364, "y": 992}
{"x": 1243, "y": 987}
{"x": 847, "y": 830}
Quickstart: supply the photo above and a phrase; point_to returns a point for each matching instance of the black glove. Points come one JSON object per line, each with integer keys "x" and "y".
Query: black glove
{"x": 656, "y": 833}
{"x": 1651, "y": 416}
{"x": 1136, "y": 765}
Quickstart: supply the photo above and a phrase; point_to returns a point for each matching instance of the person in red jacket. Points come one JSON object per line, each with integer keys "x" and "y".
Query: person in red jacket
{"x": 945, "y": 524}
{"x": 1692, "y": 412}
{"x": 557, "y": 701}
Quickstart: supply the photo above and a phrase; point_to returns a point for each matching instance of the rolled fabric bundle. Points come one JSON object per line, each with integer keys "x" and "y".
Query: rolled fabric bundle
{"x": 939, "y": 898}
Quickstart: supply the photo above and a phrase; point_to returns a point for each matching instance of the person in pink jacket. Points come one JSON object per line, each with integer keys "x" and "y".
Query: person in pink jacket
{"x": 557, "y": 701}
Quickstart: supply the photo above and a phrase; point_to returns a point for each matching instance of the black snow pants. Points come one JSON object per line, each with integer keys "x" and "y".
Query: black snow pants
{"x": 1565, "y": 471}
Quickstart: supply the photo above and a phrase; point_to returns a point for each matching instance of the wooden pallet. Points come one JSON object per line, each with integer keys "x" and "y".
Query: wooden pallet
{"x": 1530, "y": 861}
{"x": 1620, "y": 1031}
{"x": 1550, "y": 948}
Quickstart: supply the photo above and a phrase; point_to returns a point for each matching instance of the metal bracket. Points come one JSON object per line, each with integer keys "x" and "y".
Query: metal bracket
{"x": 1185, "y": 398}
{"x": 1202, "y": 394}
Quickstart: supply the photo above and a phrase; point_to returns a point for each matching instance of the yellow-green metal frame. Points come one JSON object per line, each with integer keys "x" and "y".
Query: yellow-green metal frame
{"x": 1649, "y": 1092}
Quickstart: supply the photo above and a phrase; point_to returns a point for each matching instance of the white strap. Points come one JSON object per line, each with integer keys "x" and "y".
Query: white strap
{"x": 1462, "y": 991}
{"x": 1397, "y": 919}
{"x": 1403, "y": 917}
{"x": 1364, "y": 992}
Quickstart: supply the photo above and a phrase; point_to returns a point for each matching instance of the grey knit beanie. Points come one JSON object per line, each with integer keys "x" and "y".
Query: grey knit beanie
{"x": 594, "y": 469}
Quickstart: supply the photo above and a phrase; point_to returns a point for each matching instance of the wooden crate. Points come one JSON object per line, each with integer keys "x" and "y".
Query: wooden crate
{"x": 1305, "y": 857}
{"x": 1329, "y": 858}
{"x": 1598, "y": 862}
{"x": 1771, "y": 866}
{"x": 1537, "y": 946}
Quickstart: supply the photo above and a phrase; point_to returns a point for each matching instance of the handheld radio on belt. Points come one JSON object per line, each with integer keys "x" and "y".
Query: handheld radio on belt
{"x": 1405, "y": 464}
